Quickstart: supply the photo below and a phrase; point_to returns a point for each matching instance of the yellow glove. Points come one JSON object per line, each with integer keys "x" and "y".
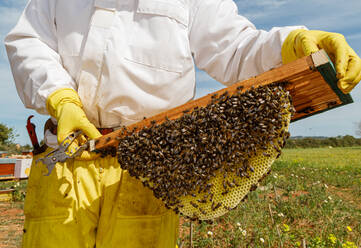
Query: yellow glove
{"x": 65, "y": 106}
{"x": 300, "y": 43}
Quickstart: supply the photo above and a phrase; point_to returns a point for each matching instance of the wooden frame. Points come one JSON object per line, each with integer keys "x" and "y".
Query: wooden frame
{"x": 311, "y": 82}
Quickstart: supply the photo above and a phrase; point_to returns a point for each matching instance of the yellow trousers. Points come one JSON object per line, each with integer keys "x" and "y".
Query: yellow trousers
{"x": 94, "y": 204}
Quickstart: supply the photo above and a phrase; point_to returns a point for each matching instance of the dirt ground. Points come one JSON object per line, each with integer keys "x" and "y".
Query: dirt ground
{"x": 11, "y": 224}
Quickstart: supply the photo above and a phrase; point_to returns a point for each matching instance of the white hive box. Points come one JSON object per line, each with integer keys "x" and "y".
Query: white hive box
{"x": 22, "y": 168}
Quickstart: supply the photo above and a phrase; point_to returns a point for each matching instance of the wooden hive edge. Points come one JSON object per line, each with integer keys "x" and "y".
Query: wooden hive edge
{"x": 292, "y": 73}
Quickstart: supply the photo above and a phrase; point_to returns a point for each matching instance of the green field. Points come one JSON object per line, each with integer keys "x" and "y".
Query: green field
{"x": 311, "y": 199}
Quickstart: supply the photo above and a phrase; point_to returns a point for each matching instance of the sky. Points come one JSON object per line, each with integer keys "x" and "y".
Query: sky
{"x": 327, "y": 15}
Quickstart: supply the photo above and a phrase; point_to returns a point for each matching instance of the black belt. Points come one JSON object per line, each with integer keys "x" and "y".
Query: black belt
{"x": 105, "y": 131}
{"x": 53, "y": 128}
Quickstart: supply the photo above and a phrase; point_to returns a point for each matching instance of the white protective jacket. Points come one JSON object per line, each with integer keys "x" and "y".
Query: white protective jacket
{"x": 133, "y": 58}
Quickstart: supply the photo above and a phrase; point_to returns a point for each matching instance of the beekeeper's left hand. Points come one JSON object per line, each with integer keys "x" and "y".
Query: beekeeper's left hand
{"x": 300, "y": 43}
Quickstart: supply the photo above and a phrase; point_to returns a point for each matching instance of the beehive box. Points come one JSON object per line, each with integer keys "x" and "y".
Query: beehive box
{"x": 27, "y": 153}
{"x": 6, "y": 195}
{"x": 22, "y": 168}
{"x": 7, "y": 168}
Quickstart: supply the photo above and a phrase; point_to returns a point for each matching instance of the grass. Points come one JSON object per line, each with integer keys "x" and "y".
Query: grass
{"x": 19, "y": 186}
{"x": 312, "y": 197}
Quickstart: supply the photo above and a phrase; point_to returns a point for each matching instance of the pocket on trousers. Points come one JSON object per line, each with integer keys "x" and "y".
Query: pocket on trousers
{"x": 153, "y": 231}
{"x": 54, "y": 233}
{"x": 139, "y": 232}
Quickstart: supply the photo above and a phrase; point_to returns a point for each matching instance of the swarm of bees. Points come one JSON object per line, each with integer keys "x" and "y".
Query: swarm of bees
{"x": 178, "y": 159}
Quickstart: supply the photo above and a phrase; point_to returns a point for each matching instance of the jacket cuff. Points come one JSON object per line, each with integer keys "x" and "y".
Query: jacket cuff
{"x": 59, "y": 97}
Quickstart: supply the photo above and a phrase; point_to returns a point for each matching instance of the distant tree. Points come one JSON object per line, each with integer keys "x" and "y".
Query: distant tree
{"x": 348, "y": 140}
{"x": 7, "y": 135}
{"x": 27, "y": 147}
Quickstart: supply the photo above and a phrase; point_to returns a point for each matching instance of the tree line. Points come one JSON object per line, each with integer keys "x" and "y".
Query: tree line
{"x": 312, "y": 142}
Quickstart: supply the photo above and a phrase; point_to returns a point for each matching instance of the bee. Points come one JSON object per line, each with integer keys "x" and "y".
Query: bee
{"x": 193, "y": 204}
{"x": 202, "y": 211}
{"x": 266, "y": 154}
{"x": 216, "y": 206}
{"x": 253, "y": 187}
{"x": 186, "y": 111}
{"x": 227, "y": 208}
{"x": 225, "y": 192}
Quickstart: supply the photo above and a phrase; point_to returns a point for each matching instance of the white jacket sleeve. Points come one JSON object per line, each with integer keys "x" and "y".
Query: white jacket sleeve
{"x": 228, "y": 46}
{"x": 32, "y": 50}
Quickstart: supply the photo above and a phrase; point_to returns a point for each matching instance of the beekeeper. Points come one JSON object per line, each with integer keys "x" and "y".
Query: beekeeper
{"x": 95, "y": 64}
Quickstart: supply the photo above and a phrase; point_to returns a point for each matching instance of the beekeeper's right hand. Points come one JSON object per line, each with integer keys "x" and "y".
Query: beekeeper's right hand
{"x": 65, "y": 106}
